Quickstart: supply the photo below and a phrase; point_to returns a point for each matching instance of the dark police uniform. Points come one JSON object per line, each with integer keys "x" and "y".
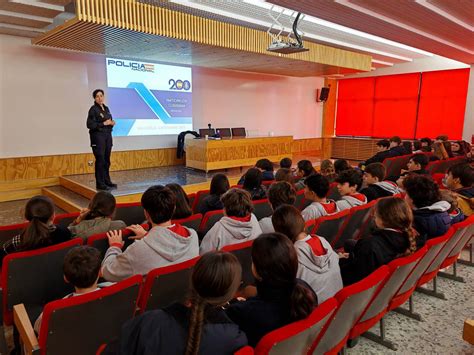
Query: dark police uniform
{"x": 101, "y": 143}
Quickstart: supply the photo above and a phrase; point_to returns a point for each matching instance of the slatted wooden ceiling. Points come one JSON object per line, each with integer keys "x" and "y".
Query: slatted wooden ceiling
{"x": 131, "y": 29}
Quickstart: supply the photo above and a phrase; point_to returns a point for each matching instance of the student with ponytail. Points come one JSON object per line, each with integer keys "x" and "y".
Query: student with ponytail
{"x": 281, "y": 297}
{"x": 199, "y": 327}
{"x": 40, "y": 231}
{"x": 394, "y": 237}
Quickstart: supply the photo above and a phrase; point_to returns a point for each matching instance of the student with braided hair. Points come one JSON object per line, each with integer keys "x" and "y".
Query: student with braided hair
{"x": 199, "y": 327}
{"x": 395, "y": 237}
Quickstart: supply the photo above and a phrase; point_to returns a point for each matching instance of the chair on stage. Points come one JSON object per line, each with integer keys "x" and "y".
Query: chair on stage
{"x": 79, "y": 325}
{"x": 239, "y": 132}
{"x": 297, "y": 337}
{"x": 224, "y": 132}
{"x": 166, "y": 285}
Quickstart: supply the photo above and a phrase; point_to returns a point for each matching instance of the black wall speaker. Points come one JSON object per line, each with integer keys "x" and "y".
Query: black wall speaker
{"x": 324, "y": 94}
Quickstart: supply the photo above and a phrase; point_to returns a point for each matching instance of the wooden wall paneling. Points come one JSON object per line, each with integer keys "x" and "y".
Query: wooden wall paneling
{"x": 307, "y": 145}
{"x": 353, "y": 148}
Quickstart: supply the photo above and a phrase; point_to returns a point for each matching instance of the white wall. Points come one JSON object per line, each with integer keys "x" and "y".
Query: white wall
{"x": 468, "y": 130}
{"x": 45, "y": 95}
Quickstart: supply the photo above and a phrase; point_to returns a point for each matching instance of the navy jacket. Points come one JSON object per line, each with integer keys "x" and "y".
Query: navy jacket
{"x": 266, "y": 176}
{"x": 166, "y": 331}
{"x": 378, "y": 158}
{"x": 396, "y": 151}
{"x": 432, "y": 221}
{"x": 211, "y": 203}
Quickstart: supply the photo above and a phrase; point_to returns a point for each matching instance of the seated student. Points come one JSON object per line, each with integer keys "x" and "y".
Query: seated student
{"x": 408, "y": 147}
{"x": 454, "y": 211}
{"x": 394, "y": 237}
{"x": 281, "y": 297}
{"x": 284, "y": 174}
{"x": 441, "y": 138}
{"x": 97, "y": 218}
{"x": 280, "y": 193}
{"x": 426, "y": 144}
{"x": 348, "y": 183}
{"x": 40, "y": 231}
{"x": 316, "y": 189}
{"x": 212, "y": 202}
{"x": 253, "y": 184}
{"x": 431, "y": 218}
{"x": 183, "y": 209}
{"x": 374, "y": 175}
{"x": 318, "y": 264}
{"x": 416, "y": 165}
{"x": 439, "y": 152}
{"x": 460, "y": 148}
{"x": 165, "y": 244}
{"x": 286, "y": 163}
{"x": 383, "y": 152}
{"x": 266, "y": 167}
{"x": 341, "y": 165}
{"x": 460, "y": 179}
{"x": 328, "y": 171}
{"x": 417, "y": 147}
{"x": 238, "y": 225}
{"x": 304, "y": 168}
{"x": 81, "y": 269}
{"x": 396, "y": 147}
{"x": 199, "y": 326}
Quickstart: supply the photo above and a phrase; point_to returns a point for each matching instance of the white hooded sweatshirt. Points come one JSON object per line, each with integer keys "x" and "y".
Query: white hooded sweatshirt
{"x": 318, "y": 209}
{"x": 350, "y": 201}
{"x": 319, "y": 266}
{"x": 228, "y": 231}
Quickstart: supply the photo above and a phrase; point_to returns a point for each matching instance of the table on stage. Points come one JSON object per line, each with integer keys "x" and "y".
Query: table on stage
{"x": 230, "y": 153}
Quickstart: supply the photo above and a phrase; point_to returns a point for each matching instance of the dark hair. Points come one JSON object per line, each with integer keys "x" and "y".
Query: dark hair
{"x": 327, "y": 167}
{"x": 464, "y": 172}
{"x": 396, "y": 139}
{"x": 237, "y": 203}
{"x": 82, "y": 266}
{"x": 288, "y": 220}
{"x": 306, "y": 167}
{"x": 214, "y": 281}
{"x": 352, "y": 176}
{"x": 276, "y": 263}
{"x": 264, "y": 164}
{"x": 407, "y": 146}
{"x": 420, "y": 159}
{"x": 376, "y": 170}
{"x": 284, "y": 174}
{"x": 219, "y": 184}
{"x": 447, "y": 146}
{"x": 416, "y": 145}
{"x": 319, "y": 184}
{"x": 252, "y": 179}
{"x": 280, "y": 193}
{"x": 442, "y": 137}
{"x": 341, "y": 165}
{"x": 159, "y": 202}
{"x": 422, "y": 190}
{"x": 38, "y": 211}
{"x": 183, "y": 209}
{"x": 396, "y": 214}
{"x": 96, "y": 91}
{"x": 102, "y": 205}
{"x": 383, "y": 143}
{"x": 286, "y": 163}
{"x": 427, "y": 141}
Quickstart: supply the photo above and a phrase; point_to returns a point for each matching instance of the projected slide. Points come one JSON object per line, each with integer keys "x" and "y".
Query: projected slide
{"x": 148, "y": 98}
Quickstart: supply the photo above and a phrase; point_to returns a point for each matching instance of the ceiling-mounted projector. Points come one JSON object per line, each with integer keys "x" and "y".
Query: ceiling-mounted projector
{"x": 287, "y": 46}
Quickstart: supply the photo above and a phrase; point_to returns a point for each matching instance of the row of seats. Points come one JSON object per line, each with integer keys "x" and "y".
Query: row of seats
{"x": 352, "y": 312}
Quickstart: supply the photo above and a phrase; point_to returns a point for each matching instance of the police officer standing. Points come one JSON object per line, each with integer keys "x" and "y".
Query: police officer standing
{"x": 100, "y": 124}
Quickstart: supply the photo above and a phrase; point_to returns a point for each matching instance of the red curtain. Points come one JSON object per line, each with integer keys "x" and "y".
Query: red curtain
{"x": 395, "y": 103}
{"x": 442, "y": 103}
{"x": 355, "y": 107}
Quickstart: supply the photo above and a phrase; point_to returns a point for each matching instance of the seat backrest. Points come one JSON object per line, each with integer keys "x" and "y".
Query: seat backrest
{"x": 358, "y": 217}
{"x": 209, "y": 219}
{"x": 243, "y": 252}
{"x": 223, "y": 132}
{"x": 239, "y": 132}
{"x": 466, "y": 229}
{"x": 65, "y": 219}
{"x": 207, "y": 132}
{"x": 101, "y": 242}
{"x": 330, "y": 227}
{"x": 352, "y": 301}
{"x": 300, "y": 199}
{"x": 456, "y": 235}
{"x": 79, "y": 325}
{"x": 35, "y": 277}
{"x": 262, "y": 208}
{"x": 191, "y": 198}
{"x": 166, "y": 285}
{"x": 297, "y": 337}
{"x": 434, "y": 167}
{"x": 8, "y": 232}
{"x": 399, "y": 269}
{"x": 130, "y": 213}
{"x": 200, "y": 196}
{"x": 192, "y": 222}
{"x": 389, "y": 166}
{"x": 333, "y": 192}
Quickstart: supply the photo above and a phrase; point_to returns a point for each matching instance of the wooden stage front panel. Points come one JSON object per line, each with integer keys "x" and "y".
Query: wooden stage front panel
{"x": 230, "y": 153}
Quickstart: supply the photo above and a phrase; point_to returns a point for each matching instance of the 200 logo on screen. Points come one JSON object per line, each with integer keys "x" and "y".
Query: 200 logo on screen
{"x": 179, "y": 84}
{"x": 150, "y": 68}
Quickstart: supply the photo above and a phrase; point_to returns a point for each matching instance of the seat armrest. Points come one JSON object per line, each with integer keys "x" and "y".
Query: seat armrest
{"x": 27, "y": 334}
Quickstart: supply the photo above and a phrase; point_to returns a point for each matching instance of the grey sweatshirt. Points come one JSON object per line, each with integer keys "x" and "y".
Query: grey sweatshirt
{"x": 266, "y": 225}
{"x": 321, "y": 272}
{"x": 160, "y": 247}
{"x": 350, "y": 201}
{"x": 317, "y": 209}
{"x": 228, "y": 231}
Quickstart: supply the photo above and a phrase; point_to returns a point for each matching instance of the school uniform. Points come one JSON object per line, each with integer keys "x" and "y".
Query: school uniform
{"x": 350, "y": 201}
{"x": 380, "y": 189}
{"x": 319, "y": 209}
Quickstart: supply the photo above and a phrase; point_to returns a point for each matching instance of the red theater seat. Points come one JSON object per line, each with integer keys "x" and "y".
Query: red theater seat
{"x": 358, "y": 218}
{"x": 65, "y": 219}
{"x": 130, "y": 213}
{"x": 209, "y": 219}
{"x": 192, "y": 222}
{"x": 243, "y": 252}
{"x": 330, "y": 227}
{"x": 8, "y": 232}
{"x": 200, "y": 196}
{"x": 262, "y": 208}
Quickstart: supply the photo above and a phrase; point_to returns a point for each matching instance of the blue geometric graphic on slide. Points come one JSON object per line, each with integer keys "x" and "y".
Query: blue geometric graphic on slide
{"x": 156, "y": 106}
